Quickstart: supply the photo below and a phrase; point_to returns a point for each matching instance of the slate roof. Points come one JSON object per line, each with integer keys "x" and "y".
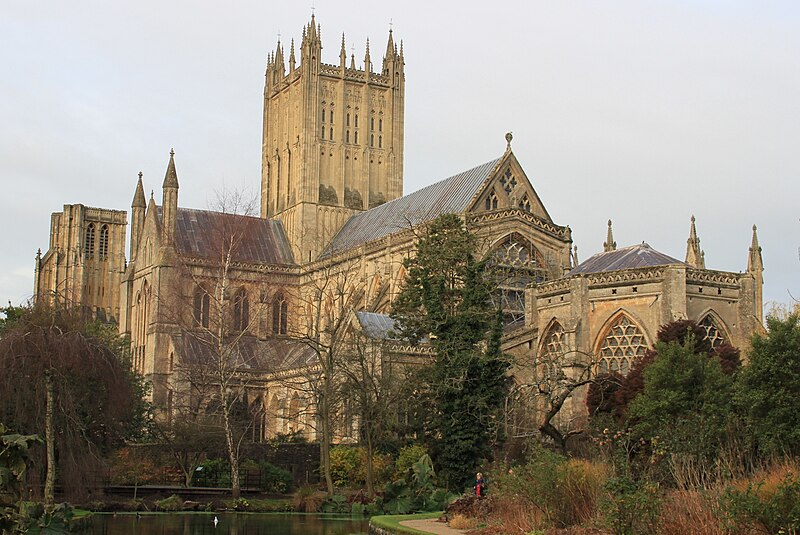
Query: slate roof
{"x": 270, "y": 355}
{"x": 635, "y": 256}
{"x": 264, "y": 240}
{"x": 376, "y": 326}
{"x": 451, "y": 195}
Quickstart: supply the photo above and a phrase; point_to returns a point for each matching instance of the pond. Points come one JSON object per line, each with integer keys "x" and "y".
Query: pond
{"x": 229, "y": 523}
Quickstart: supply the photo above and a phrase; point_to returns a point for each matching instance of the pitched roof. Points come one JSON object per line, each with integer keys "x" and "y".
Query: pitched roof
{"x": 635, "y": 256}
{"x": 451, "y": 195}
{"x": 263, "y": 240}
{"x": 270, "y": 355}
{"x": 376, "y": 326}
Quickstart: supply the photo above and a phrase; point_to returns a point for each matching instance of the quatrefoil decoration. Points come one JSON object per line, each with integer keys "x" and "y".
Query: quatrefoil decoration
{"x": 508, "y": 181}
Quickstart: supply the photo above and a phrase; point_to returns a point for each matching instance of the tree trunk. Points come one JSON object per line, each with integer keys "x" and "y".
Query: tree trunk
{"x": 325, "y": 452}
{"x": 49, "y": 433}
{"x": 370, "y": 485}
{"x": 233, "y": 457}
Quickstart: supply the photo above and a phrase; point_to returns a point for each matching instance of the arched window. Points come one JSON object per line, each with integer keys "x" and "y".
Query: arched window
{"x": 347, "y": 137}
{"x": 348, "y": 119}
{"x": 88, "y": 247}
{"x": 525, "y": 203}
{"x": 331, "y": 118}
{"x": 372, "y": 123}
{"x": 380, "y": 125}
{"x": 622, "y": 343}
{"x": 380, "y": 142}
{"x": 102, "y": 249}
{"x": 713, "y": 333}
{"x": 552, "y": 352}
{"x": 356, "y": 123}
{"x": 515, "y": 264}
{"x": 279, "y": 314}
{"x": 355, "y": 137}
{"x": 491, "y": 201}
{"x": 323, "y": 115}
{"x": 323, "y": 131}
{"x": 259, "y": 421}
{"x": 372, "y": 140}
{"x": 241, "y": 310}
{"x": 331, "y": 136}
{"x": 139, "y": 332}
{"x": 202, "y": 307}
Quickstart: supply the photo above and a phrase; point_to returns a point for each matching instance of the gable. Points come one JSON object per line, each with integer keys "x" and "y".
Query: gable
{"x": 508, "y": 188}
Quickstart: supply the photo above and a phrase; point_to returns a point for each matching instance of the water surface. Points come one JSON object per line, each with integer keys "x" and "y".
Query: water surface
{"x": 229, "y": 523}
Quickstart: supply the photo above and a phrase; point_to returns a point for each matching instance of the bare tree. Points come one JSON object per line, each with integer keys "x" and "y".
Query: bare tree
{"x": 215, "y": 322}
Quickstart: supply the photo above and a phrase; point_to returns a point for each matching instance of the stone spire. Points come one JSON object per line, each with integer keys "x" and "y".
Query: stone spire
{"x": 343, "y": 54}
{"x": 169, "y": 208}
{"x": 391, "y": 52}
{"x": 138, "y": 197}
{"x": 367, "y": 61}
{"x": 694, "y": 255}
{"x": 754, "y": 262}
{"x": 610, "y": 244}
{"x": 292, "y": 61}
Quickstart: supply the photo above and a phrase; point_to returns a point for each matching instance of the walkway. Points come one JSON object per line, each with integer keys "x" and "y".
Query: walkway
{"x": 432, "y": 525}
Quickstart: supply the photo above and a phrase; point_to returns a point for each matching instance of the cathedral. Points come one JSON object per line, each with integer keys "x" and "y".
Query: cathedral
{"x": 323, "y": 253}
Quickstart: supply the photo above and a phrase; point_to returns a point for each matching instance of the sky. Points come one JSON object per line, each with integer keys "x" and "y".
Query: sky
{"x": 641, "y": 112}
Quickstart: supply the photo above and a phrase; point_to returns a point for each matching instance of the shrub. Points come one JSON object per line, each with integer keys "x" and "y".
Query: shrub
{"x": 770, "y": 503}
{"x": 406, "y": 458}
{"x": 308, "y": 499}
{"x": 345, "y": 461}
{"x": 275, "y": 479}
{"x": 462, "y": 522}
{"x": 173, "y": 503}
{"x": 631, "y": 507}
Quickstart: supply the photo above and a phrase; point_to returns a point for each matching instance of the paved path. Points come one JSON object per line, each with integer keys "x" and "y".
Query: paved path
{"x": 432, "y": 526}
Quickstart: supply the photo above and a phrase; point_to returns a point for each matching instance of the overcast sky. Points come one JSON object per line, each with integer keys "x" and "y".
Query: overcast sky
{"x": 643, "y": 112}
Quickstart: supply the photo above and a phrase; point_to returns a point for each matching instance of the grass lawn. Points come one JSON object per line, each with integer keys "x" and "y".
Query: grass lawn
{"x": 392, "y": 522}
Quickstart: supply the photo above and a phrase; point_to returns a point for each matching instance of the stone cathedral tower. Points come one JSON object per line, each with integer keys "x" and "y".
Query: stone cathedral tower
{"x": 332, "y": 139}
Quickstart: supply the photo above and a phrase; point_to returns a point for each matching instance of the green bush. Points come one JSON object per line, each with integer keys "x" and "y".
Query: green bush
{"x": 776, "y": 510}
{"x": 406, "y": 458}
{"x": 345, "y": 464}
{"x": 631, "y": 507}
{"x": 275, "y": 479}
{"x": 173, "y": 503}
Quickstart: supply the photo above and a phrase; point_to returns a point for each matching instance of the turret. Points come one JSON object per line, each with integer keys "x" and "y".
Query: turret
{"x": 694, "y": 255}
{"x": 169, "y": 208}
{"x": 755, "y": 266}
{"x": 138, "y": 207}
{"x": 311, "y": 47}
{"x": 610, "y": 244}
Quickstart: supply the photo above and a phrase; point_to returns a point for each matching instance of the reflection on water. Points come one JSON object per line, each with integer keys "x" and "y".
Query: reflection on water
{"x": 232, "y": 523}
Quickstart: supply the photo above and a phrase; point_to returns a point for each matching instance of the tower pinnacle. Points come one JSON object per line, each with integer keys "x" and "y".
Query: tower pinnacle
{"x": 754, "y": 260}
{"x": 694, "y": 255}
{"x": 610, "y": 244}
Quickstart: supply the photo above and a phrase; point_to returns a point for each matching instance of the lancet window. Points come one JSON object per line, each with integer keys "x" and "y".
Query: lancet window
{"x": 622, "y": 343}
{"x": 279, "y": 314}
{"x": 525, "y": 203}
{"x": 241, "y": 310}
{"x": 88, "y": 246}
{"x": 202, "y": 308}
{"x": 713, "y": 333}
{"x": 491, "y": 201}
{"x": 102, "y": 249}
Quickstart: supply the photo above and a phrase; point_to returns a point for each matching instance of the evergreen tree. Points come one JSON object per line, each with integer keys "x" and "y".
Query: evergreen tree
{"x": 447, "y": 299}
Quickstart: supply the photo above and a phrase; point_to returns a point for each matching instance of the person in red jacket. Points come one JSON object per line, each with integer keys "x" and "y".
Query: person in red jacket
{"x": 479, "y": 486}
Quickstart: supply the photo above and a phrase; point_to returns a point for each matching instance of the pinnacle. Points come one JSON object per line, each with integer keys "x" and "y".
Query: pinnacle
{"x": 171, "y": 178}
{"x": 138, "y": 197}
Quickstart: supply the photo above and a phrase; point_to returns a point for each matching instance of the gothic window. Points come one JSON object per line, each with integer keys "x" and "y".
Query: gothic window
{"x": 88, "y": 248}
{"x": 279, "y": 314}
{"x": 331, "y": 136}
{"x": 323, "y": 131}
{"x": 355, "y": 137}
{"x": 508, "y": 181}
{"x": 525, "y": 203}
{"x": 241, "y": 310}
{"x": 294, "y": 412}
{"x": 515, "y": 263}
{"x": 331, "y": 116}
{"x": 139, "y": 334}
{"x": 491, "y": 201}
{"x": 372, "y": 123}
{"x": 380, "y": 125}
{"x": 348, "y": 120}
{"x": 356, "y": 118}
{"x": 713, "y": 334}
{"x": 347, "y": 137}
{"x": 622, "y": 343}
{"x": 553, "y": 349}
{"x": 259, "y": 421}
{"x": 102, "y": 249}
{"x": 372, "y": 140}
{"x": 323, "y": 116}
{"x": 202, "y": 307}
{"x": 380, "y": 142}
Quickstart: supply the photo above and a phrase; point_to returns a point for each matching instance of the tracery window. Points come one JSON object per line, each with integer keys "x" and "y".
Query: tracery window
{"x": 713, "y": 334}
{"x": 508, "y": 181}
{"x": 241, "y": 310}
{"x": 621, "y": 345}
{"x": 279, "y": 314}
{"x": 515, "y": 263}
{"x": 491, "y": 201}
{"x": 552, "y": 350}
{"x": 202, "y": 307}
{"x": 102, "y": 249}
{"x": 88, "y": 247}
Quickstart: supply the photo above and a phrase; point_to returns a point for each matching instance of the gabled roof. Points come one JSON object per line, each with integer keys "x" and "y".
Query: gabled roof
{"x": 451, "y": 195}
{"x": 635, "y": 256}
{"x": 375, "y": 326}
{"x": 263, "y": 240}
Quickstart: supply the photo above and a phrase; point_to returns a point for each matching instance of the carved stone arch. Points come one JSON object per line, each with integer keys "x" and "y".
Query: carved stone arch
{"x": 554, "y": 327}
{"x": 516, "y": 262}
{"x": 516, "y": 237}
{"x": 620, "y": 341}
{"x": 717, "y": 332}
